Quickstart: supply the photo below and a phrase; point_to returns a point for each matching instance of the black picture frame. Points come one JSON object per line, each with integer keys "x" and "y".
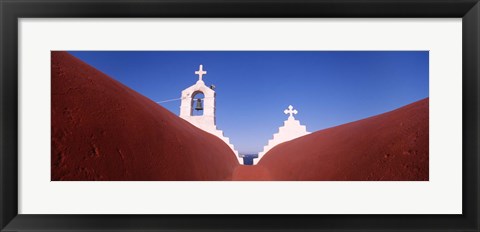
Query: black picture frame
{"x": 11, "y": 11}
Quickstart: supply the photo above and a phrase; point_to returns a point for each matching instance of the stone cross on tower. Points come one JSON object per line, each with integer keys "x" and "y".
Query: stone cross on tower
{"x": 290, "y": 111}
{"x": 200, "y": 72}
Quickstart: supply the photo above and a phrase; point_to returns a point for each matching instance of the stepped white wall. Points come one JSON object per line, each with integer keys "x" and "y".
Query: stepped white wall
{"x": 291, "y": 129}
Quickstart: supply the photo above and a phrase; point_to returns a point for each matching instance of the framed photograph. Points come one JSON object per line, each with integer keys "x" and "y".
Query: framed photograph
{"x": 225, "y": 115}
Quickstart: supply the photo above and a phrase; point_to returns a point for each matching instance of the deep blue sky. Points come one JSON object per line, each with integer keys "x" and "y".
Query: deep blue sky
{"x": 254, "y": 87}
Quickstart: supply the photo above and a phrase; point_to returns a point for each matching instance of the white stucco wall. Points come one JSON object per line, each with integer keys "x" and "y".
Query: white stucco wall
{"x": 291, "y": 129}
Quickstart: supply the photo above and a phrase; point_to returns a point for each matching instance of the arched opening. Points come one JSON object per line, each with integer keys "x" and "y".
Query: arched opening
{"x": 198, "y": 100}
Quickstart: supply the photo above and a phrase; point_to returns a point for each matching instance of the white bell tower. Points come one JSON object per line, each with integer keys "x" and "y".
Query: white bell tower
{"x": 205, "y": 121}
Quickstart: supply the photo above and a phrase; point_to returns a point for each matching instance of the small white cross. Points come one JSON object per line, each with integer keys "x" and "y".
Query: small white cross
{"x": 290, "y": 111}
{"x": 200, "y": 72}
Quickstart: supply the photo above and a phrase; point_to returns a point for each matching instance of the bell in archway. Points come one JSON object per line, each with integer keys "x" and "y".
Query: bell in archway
{"x": 199, "y": 106}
